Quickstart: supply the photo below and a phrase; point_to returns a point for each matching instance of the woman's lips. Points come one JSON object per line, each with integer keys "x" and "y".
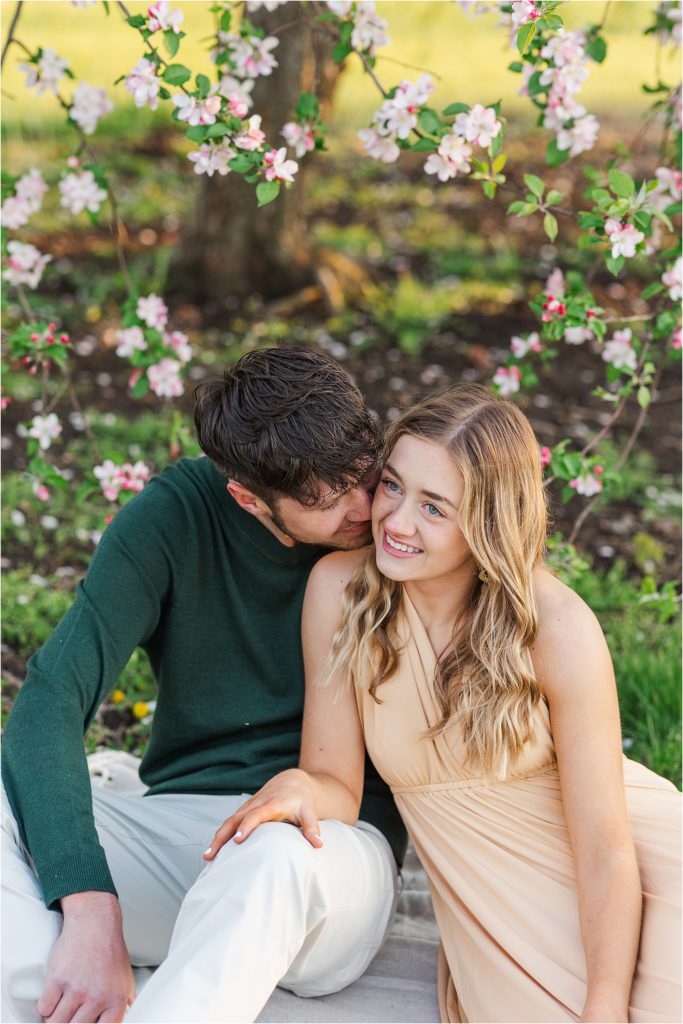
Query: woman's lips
{"x": 395, "y": 547}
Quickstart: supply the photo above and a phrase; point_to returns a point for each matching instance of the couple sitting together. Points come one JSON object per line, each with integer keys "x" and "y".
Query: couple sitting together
{"x": 434, "y": 638}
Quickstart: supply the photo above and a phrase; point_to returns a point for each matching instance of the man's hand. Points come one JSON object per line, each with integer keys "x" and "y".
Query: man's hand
{"x": 89, "y": 977}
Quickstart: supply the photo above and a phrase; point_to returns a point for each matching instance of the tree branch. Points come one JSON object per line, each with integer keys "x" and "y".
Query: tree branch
{"x": 10, "y": 35}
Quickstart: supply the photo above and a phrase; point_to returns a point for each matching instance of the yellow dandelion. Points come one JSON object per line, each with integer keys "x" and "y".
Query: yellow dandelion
{"x": 118, "y": 696}
{"x": 140, "y": 709}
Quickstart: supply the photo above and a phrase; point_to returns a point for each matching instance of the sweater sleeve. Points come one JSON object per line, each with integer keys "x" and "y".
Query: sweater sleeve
{"x": 117, "y": 607}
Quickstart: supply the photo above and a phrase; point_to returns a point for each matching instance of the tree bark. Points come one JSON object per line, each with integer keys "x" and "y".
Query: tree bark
{"x": 230, "y": 247}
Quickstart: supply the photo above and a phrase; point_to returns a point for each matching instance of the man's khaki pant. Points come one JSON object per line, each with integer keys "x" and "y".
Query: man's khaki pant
{"x": 271, "y": 911}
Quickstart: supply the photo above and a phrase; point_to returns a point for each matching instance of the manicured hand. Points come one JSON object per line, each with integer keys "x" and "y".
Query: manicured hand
{"x": 89, "y": 977}
{"x": 286, "y": 797}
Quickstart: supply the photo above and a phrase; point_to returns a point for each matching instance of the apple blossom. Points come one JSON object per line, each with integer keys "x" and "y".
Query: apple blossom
{"x": 153, "y": 311}
{"x": 451, "y": 158}
{"x": 88, "y": 106}
{"x": 31, "y": 189}
{"x": 45, "y": 429}
{"x": 580, "y": 136}
{"x": 237, "y": 106}
{"x": 251, "y": 55}
{"x": 160, "y": 16}
{"x": 15, "y": 212}
{"x": 555, "y": 284}
{"x": 524, "y": 11}
{"x": 577, "y": 335}
{"x": 623, "y": 237}
{"x": 143, "y": 84}
{"x": 545, "y": 455}
{"x": 522, "y": 346}
{"x": 178, "y": 342}
{"x": 196, "y": 111}
{"x": 47, "y": 73}
{"x": 41, "y": 492}
{"x": 114, "y": 479}
{"x": 619, "y": 350}
{"x": 668, "y": 188}
{"x": 130, "y": 340}
{"x": 251, "y": 138}
{"x": 586, "y": 485}
{"x": 270, "y": 5}
{"x": 672, "y": 279}
{"x": 506, "y": 380}
{"x": 479, "y": 125}
{"x": 80, "y": 191}
{"x": 298, "y": 137}
{"x": 278, "y": 168}
{"x": 340, "y": 7}
{"x": 369, "y": 30}
{"x": 26, "y": 264}
{"x": 212, "y": 158}
{"x": 229, "y": 87}
{"x": 675, "y": 341}
{"x": 380, "y": 147}
{"x": 565, "y": 47}
{"x": 164, "y": 378}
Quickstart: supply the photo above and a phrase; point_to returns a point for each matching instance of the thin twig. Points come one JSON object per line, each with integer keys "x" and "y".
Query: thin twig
{"x": 10, "y": 35}
{"x": 79, "y": 409}
{"x": 619, "y": 407}
{"x": 23, "y": 301}
{"x": 642, "y": 416}
{"x": 412, "y": 67}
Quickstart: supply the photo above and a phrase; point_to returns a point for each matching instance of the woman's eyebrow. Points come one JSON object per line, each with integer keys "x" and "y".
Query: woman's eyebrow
{"x": 427, "y": 494}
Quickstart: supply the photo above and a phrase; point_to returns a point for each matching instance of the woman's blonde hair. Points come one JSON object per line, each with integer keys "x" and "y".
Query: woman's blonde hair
{"x": 485, "y": 677}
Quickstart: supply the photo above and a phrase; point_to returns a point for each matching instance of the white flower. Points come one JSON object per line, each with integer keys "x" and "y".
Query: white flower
{"x": 26, "y": 264}
{"x": 436, "y": 164}
{"x": 47, "y": 73}
{"x": 524, "y": 11}
{"x": 89, "y": 105}
{"x": 80, "y": 192}
{"x": 270, "y": 5}
{"x": 108, "y": 475}
{"x": 555, "y": 284}
{"x": 251, "y": 55}
{"x": 153, "y": 311}
{"x": 369, "y": 30}
{"x": 15, "y": 213}
{"x": 45, "y": 429}
{"x": 252, "y": 137}
{"x": 339, "y": 7}
{"x": 521, "y": 346}
{"x": 668, "y": 188}
{"x": 301, "y": 139}
{"x": 278, "y": 168}
{"x": 619, "y": 350}
{"x": 162, "y": 17}
{"x": 479, "y": 125}
{"x": 413, "y": 94}
{"x": 379, "y": 147}
{"x": 31, "y": 189}
{"x": 211, "y": 158}
{"x": 130, "y": 340}
{"x": 672, "y": 279}
{"x": 143, "y": 84}
{"x": 586, "y": 484}
{"x": 178, "y": 342}
{"x": 577, "y": 335}
{"x": 565, "y": 47}
{"x": 452, "y": 158}
{"x": 164, "y": 378}
{"x": 623, "y": 237}
{"x": 507, "y": 380}
{"x": 230, "y": 87}
{"x": 580, "y": 137}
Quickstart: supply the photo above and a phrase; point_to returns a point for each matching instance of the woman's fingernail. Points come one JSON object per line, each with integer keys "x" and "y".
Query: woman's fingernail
{"x": 237, "y": 835}
{"x": 206, "y": 851}
{"x": 317, "y": 836}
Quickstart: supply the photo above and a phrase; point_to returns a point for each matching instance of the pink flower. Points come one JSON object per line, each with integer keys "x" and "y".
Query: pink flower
{"x": 195, "y": 111}
{"x": 565, "y": 47}
{"x": 545, "y": 456}
{"x": 45, "y": 429}
{"x": 46, "y": 74}
{"x": 675, "y": 341}
{"x": 108, "y": 476}
{"x": 672, "y": 279}
{"x": 164, "y": 378}
{"x": 555, "y": 283}
{"x": 80, "y": 191}
{"x": 479, "y": 125}
{"x": 153, "y": 311}
{"x": 178, "y": 342}
{"x": 229, "y": 87}
{"x": 41, "y": 492}
{"x": 623, "y": 237}
{"x": 15, "y": 213}
{"x": 524, "y": 11}
{"x": 340, "y": 7}
{"x": 26, "y": 264}
{"x": 379, "y": 147}
{"x": 369, "y": 30}
{"x": 586, "y": 484}
{"x": 619, "y": 350}
{"x": 580, "y": 137}
{"x": 31, "y": 189}
{"x": 130, "y": 340}
{"x": 521, "y": 346}
{"x": 212, "y": 158}
{"x": 252, "y": 56}
{"x": 300, "y": 139}
{"x": 143, "y": 84}
{"x": 251, "y": 138}
{"x": 577, "y": 335}
{"x": 278, "y": 168}
{"x": 270, "y": 5}
{"x": 161, "y": 16}
{"x": 451, "y": 158}
{"x": 237, "y": 105}
{"x": 88, "y": 106}
{"x": 507, "y": 380}
{"x": 114, "y": 479}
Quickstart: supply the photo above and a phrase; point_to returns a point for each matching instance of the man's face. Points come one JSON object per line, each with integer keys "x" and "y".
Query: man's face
{"x": 338, "y": 521}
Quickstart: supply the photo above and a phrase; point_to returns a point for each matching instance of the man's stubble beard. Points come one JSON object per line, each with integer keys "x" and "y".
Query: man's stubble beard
{"x": 336, "y": 542}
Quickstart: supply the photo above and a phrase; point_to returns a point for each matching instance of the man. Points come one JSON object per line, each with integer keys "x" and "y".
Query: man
{"x": 206, "y": 571}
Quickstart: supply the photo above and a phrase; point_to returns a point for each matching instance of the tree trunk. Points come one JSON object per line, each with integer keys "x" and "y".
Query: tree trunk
{"x": 230, "y": 247}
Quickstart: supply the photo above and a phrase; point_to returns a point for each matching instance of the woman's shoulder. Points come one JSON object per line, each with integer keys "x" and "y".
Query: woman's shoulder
{"x": 558, "y": 604}
{"x": 331, "y": 574}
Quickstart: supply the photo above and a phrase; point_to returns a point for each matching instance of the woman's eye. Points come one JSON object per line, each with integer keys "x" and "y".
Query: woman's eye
{"x": 391, "y": 485}
{"x": 432, "y": 510}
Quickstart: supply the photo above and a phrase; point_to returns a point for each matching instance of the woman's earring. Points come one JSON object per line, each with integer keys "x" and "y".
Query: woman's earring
{"x": 483, "y": 576}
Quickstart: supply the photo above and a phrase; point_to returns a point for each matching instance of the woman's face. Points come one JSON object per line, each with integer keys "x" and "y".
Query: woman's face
{"x": 415, "y": 514}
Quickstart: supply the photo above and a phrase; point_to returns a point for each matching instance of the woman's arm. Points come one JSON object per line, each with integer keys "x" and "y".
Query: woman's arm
{"x": 575, "y": 672}
{"x": 329, "y": 781}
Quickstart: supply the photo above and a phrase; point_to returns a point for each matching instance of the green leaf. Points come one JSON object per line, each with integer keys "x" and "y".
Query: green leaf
{"x": 429, "y": 121}
{"x": 642, "y": 220}
{"x": 497, "y": 143}
{"x": 176, "y": 74}
{"x": 267, "y": 191}
{"x": 217, "y": 131}
{"x": 517, "y": 67}
{"x": 171, "y": 42}
{"x": 164, "y": 93}
{"x": 652, "y": 289}
{"x": 550, "y": 226}
{"x": 521, "y": 209}
{"x": 241, "y": 163}
{"x": 597, "y": 49}
{"x": 197, "y": 133}
{"x": 203, "y": 85}
{"x": 621, "y": 184}
{"x": 456, "y": 108}
{"x": 489, "y": 189}
{"x": 554, "y": 197}
{"x": 644, "y": 397}
{"x": 535, "y": 86}
{"x": 137, "y": 21}
{"x": 224, "y": 24}
{"x": 554, "y": 156}
{"x": 553, "y": 22}
{"x": 614, "y": 265}
{"x": 424, "y": 146}
{"x": 141, "y": 387}
{"x": 307, "y": 106}
{"x": 534, "y": 185}
{"x": 499, "y": 163}
{"x": 340, "y": 52}
{"x": 525, "y": 36}
{"x": 660, "y": 215}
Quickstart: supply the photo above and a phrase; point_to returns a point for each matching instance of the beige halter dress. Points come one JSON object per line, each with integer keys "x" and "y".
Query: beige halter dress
{"x": 499, "y": 863}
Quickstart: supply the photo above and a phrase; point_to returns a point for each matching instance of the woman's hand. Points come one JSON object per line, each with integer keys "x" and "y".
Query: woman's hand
{"x": 286, "y": 797}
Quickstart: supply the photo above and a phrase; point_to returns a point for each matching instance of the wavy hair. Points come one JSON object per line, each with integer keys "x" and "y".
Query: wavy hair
{"x": 485, "y": 678}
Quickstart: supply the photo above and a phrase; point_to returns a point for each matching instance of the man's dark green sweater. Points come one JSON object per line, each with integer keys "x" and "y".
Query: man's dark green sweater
{"x": 215, "y": 601}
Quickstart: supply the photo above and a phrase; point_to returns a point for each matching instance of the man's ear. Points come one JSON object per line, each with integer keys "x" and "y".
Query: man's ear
{"x": 247, "y": 500}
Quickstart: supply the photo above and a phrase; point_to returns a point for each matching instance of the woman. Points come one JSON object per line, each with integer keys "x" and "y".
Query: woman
{"x": 483, "y": 689}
